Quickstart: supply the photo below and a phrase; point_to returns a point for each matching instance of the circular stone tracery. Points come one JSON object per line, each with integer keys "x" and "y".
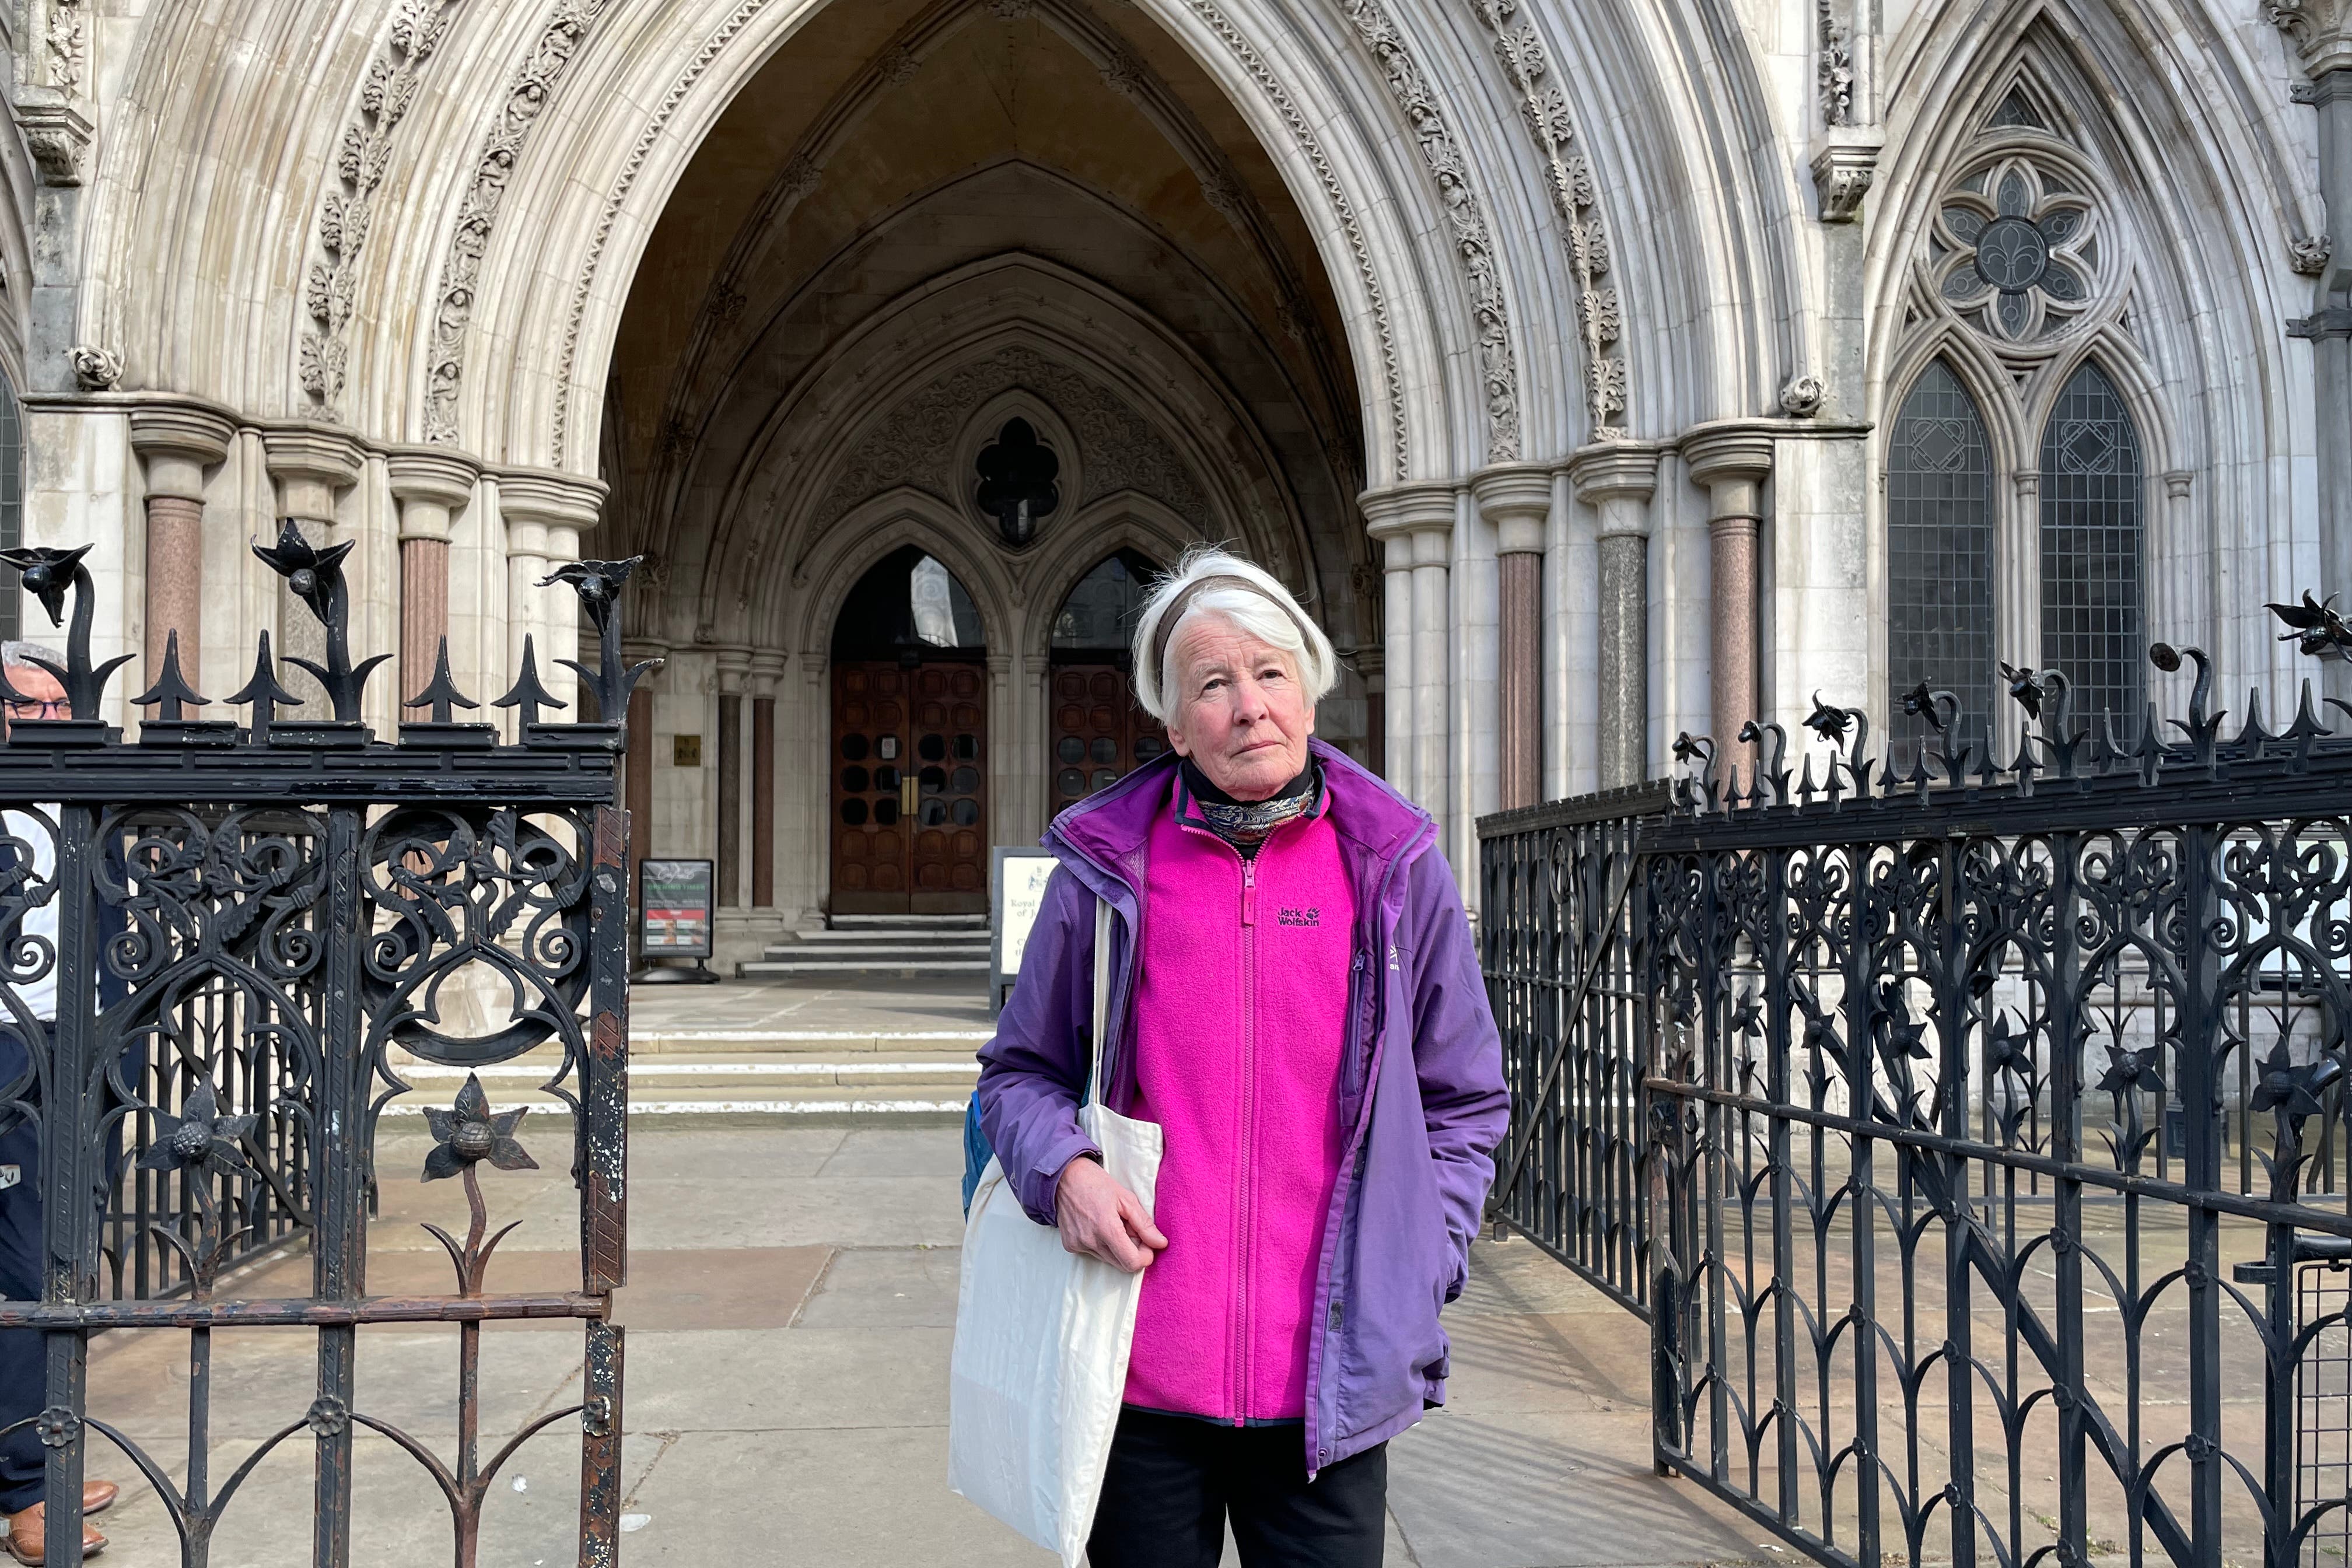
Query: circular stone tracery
{"x": 2015, "y": 251}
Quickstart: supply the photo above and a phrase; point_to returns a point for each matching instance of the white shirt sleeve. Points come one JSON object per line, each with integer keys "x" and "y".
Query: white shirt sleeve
{"x": 40, "y": 995}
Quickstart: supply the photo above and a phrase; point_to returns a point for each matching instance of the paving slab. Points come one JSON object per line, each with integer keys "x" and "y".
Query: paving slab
{"x": 844, "y": 1007}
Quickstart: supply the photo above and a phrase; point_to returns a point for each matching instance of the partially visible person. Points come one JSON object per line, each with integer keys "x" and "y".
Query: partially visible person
{"x": 23, "y": 1362}
{"x": 1296, "y": 1002}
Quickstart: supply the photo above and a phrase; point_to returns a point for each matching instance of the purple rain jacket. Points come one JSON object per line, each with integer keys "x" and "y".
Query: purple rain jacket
{"x": 1421, "y": 1096}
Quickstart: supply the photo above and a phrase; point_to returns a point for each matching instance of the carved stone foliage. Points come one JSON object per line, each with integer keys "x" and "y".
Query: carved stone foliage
{"x": 1834, "y": 72}
{"x": 361, "y": 157}
{"x": 65, "y": 45}
{"x": 96, "y": 369}
{"x": 1497, "y": 363}
{"x": 56, "y": 133}
{"x": 527, "y": 99}
{"x": 916, "y": 445}
{"x": 1544, "y": 108}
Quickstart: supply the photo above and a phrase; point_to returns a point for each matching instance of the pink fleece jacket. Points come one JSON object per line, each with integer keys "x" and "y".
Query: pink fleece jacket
{"x": 1239, "y": 1014}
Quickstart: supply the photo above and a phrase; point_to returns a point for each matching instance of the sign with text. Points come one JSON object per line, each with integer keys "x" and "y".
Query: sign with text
{"x": 1017, "y": 889}
{"x": 674, "y": 909}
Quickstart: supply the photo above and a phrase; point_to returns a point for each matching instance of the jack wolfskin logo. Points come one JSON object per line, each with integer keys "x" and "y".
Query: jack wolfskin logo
{"x": 1295, "y": 917}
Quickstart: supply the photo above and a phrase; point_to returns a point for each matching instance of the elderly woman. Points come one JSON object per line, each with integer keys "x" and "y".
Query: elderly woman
{"x": 1296, "y": 1002}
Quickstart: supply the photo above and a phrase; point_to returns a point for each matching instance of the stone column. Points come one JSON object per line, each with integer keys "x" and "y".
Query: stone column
{"x": 177, "y": 445}
{"x": 1732, "y": 463}
{"x": 1414, "y": 524}
{"x": 544, "y": 515}
{"x": 1515, "y": 498}
{"x": 312, "y": 464}
{"x": 2321, "y": 32}
{"x": 734, "y": 664}
{"x": 767, "y": 674}
{"x": 1617, "y": 479}
{"x": 429, "y": 486}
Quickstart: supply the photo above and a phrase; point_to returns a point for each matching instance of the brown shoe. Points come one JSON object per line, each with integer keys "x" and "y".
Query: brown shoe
{"x": 97, "y": 1496}
{"x": 24, "y": 1538}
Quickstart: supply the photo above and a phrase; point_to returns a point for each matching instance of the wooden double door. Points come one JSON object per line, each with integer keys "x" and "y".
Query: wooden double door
{"x": 910, "y": 788}
{"x": 1097, "y": 733}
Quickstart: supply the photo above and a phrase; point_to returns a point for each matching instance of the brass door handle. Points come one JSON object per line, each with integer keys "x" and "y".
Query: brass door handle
{"x": 907, "y": 788}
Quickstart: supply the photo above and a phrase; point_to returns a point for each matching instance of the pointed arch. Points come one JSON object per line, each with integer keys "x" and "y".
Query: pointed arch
{"x": 2091, "y": 549}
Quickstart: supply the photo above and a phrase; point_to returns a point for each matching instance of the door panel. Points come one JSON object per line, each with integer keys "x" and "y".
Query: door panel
{"x": 909, "y": 789}
{"x": 1098, "y": 734}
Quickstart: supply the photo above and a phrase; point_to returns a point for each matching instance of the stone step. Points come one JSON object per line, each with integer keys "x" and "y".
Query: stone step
{"x": 917, "y": 922}
{"x": 923, "y": 1090}
{"x": 691, "y": 1045}
{"x": 870, "y": 952}
{"x": 869, "y": 936}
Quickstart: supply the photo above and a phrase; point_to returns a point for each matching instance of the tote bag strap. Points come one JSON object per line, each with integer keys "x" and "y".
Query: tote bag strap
{"x": 1102, "y": 998}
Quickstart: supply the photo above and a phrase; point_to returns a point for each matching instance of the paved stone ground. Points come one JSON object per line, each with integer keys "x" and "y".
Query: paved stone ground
{"x": 951, "y": 1003}
{"x": 789, "y": 1319}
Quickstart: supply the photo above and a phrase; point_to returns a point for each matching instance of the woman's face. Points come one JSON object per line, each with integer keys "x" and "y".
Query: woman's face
{"x": 1240, "y": 711}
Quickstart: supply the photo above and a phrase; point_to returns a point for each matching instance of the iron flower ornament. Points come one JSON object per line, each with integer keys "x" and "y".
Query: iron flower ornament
{"x": 200, "y": 1138}
{"x": 48, "y": 575}
{"x": 313, "y": 574}
{"x": 471, "y": 1133}
{"x": 2314, "y": 625}
{"x": 2295, "y": 1089}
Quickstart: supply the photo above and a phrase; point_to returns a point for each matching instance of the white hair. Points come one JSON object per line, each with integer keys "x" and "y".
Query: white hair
{"x": 1269, "y": 614}
{"x": 21, "y": 655}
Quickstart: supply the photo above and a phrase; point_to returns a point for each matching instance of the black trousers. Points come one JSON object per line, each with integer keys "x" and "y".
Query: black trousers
{"x": 1173, "y": 1481}
{"x": 24, "y": 1355}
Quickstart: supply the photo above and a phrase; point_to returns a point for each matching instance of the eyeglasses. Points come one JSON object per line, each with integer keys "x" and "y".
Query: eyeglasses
{"x": 57, "y": 708}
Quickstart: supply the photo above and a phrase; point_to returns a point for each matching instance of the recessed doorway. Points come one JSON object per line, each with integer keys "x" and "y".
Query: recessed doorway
{"x": 909, "y": 743}
{"x": 1095, "y": 733}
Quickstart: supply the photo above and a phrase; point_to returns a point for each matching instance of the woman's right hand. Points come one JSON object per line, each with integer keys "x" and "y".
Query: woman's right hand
{"x": 1099, "y": 1218}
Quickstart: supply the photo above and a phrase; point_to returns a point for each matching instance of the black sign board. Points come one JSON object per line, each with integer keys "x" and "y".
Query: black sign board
{"x": 673, "y": 900}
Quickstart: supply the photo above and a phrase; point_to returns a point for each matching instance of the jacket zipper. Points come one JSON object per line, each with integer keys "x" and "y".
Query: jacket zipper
{"x": 1245, "y": 1220}
{"x": 1318, "y": 1436}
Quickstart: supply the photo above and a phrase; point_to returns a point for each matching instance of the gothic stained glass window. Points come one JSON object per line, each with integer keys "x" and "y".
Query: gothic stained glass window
{"x": 1939, "y": 555}
{"x": 2091, "y": 548}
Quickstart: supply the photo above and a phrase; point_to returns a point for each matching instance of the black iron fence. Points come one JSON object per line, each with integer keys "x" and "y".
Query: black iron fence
{"x": 220, "y": 944}
{"x": 1973, "y": 1139}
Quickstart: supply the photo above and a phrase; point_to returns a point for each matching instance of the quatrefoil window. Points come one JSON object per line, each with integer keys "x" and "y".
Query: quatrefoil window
{"x": 2016, "y": 251}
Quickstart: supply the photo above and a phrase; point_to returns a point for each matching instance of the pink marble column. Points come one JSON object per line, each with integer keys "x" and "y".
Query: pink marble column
{"x": 1515, "y": 502}
{"x": 428, "y": 487}
{"x": 177, "y": 444}
{"x": 1733, "y": 462}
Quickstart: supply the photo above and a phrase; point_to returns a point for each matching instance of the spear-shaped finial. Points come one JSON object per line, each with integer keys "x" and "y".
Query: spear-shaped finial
{"x": 264, "y": 692}
{"x": 441, "y": 694}
{"x": 528, "y": 694}
{"x": 171, "y": 691}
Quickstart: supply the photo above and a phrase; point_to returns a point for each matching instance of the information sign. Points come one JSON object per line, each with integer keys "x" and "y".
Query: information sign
{"x": 674, "y": 909}
{"x": 1017, "y": 889}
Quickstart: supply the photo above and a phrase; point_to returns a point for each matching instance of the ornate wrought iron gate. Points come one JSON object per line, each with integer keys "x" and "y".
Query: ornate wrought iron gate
{"x": 247, "y": 919}
{"x": 1963, "y": 1133}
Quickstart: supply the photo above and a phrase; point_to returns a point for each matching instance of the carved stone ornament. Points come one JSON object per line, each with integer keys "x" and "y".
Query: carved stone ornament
{"x": 544, "y": 70}
{"x": 2309, "y": 254}
{"x": 1800, "y": 396}
{"x": 1841, "y": 177}
{"x": 66, "y": 46}
{"x": 1836, "y": 70}
{"x": 361, "y": 157}
{"x": 1497, "y": 362}
{"x": 1543, "y": 108}
{"x": 2321, "y": 31}
{"x": 56, "y": 134}
{"x": 96, "y": 369}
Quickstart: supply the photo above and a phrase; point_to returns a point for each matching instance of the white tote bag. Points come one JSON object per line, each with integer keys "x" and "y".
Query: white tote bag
{"x": 1042, "y": 1335}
